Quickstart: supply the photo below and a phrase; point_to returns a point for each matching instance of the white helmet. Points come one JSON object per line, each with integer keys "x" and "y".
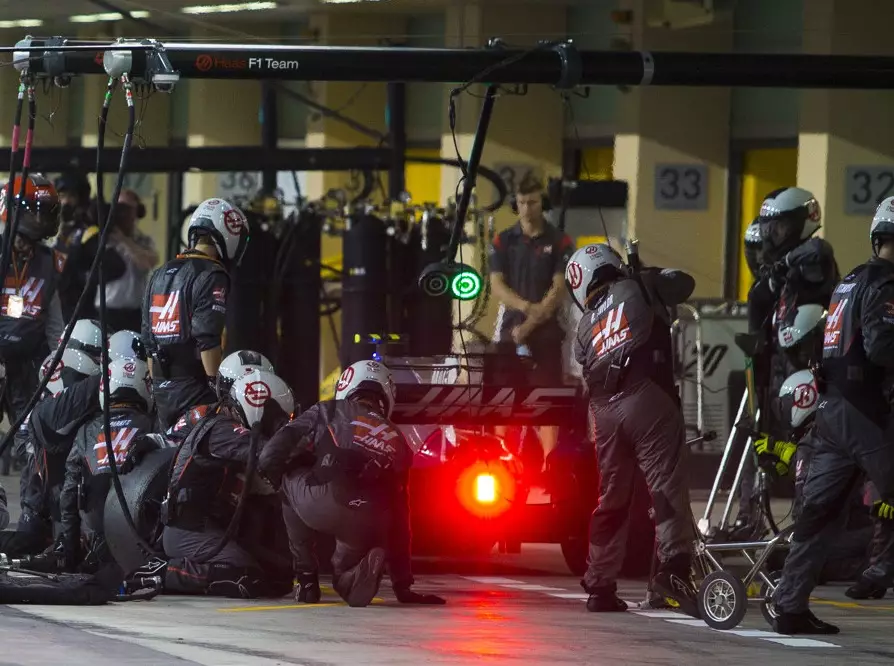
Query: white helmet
{"x": 800, "y": 395}
{"x": 74, "y": 366}
{"x": 882, "y": 224}
{"x": 126, "y": 344}
{"x": 369, "y": 376}
{"x": 237, "y": 364}
{"x": 225, "y": 224}
{"x": 86, "y": 336}
{"x": 252, "y": 390}
{"x": 807, "y": 319}
{"x": 789, "y": 216}
{"x": 128, "y": 382}
{"x": 583, "y": 266}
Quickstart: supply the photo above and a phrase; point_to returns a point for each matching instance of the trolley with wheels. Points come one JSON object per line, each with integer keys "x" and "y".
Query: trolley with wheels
{"x": 722, "y": 595}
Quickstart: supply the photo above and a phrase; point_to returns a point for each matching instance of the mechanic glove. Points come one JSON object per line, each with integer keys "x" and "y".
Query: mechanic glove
{"x": 883, "y": 510}
{"x": 407, "y": 596}
{"x": 774, "y": 455}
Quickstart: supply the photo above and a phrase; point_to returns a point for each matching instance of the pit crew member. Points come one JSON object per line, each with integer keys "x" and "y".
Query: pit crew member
{"x": 342, "y": 468}
{"x": 184, "y": 311}
{"x": 853, "y": 427}
{"x": 623, "y": 344}
{"x": 87, "y": 469}
{"x": 201, "y": 536}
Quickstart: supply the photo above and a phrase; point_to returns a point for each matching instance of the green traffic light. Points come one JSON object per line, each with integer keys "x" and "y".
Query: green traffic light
{"x": 465, "y": 285}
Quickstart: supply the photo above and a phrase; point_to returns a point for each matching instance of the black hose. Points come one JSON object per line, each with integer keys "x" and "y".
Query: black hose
{"x": 12, "y": 208}
{"x": 103, "y": 325}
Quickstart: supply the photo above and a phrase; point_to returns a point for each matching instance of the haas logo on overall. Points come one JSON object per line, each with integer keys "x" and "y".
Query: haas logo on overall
{"x": 832, "y": 334}
{"x": 165, "y": 311}
{"x": 611, "y": 331}
{"x": 31, "y": 293}
{"x": 121, "y": 441}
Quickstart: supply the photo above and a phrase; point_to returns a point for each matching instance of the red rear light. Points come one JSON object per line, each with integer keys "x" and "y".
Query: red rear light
{"x": 485, "y": 488}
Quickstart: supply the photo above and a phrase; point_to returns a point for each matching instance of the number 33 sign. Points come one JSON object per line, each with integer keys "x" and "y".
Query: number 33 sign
{"x": 681, "y": 187}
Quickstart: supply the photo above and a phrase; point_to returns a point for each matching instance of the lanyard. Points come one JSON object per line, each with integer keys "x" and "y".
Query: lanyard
{"x": 19, "y": 281}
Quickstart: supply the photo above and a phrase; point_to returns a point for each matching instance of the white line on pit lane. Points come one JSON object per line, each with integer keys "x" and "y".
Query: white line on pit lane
{"x": 666, "y": 615}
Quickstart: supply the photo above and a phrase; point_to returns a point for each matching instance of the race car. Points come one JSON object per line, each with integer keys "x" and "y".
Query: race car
{"x": 471, "y": 489}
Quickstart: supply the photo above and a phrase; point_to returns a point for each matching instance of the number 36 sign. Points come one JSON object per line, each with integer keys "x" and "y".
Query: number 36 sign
{"x": 865, "y": 187}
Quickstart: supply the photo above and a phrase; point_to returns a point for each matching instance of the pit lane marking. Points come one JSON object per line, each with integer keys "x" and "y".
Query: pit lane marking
{"x": 672, "y": 617}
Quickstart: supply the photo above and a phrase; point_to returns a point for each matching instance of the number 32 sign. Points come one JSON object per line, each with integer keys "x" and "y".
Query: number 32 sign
{"x": 681, "y": 187}
{"x": 865, "y": 187}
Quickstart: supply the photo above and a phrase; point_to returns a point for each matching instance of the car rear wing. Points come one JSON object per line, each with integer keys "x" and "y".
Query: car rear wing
{"x": 472, "y": 390}
{"x": 478, "y": 405}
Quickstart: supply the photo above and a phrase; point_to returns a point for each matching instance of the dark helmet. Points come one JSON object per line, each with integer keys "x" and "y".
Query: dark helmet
{"x": 753, "y": 244}
{"x": 74, "y": 183}
{"x": 39, "y": 218}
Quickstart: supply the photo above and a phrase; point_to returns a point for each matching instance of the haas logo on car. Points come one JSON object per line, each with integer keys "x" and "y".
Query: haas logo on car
{"x": 611, "y": 331}
{"x": 165, "y": 311}
{"x": 257, "y": 393}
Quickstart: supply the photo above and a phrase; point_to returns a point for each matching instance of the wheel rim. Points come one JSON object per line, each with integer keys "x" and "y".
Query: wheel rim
{"x": 720, "y": 600}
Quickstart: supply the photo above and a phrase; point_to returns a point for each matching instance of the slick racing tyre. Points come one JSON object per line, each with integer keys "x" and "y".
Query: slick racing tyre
{"x": 144, "y": 489}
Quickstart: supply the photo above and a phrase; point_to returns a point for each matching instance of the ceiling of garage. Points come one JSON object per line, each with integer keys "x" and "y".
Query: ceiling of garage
{"x": 170, "y": 14}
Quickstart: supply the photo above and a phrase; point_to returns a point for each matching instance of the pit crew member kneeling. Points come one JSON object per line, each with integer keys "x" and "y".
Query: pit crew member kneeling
{"x": 623, "y": 344}
{"x": 853, "y": 427}
{"x": 87, "y": 470}
{"x": 211, "y": 479}
{"x": 343, "y": 469}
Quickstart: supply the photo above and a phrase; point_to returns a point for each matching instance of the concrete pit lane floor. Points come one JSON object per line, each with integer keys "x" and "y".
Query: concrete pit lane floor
{"x": 503, "y": 609}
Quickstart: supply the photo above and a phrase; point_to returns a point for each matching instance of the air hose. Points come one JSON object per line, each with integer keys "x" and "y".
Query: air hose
{"x": 11, "y": 204}
{"x": 103, "y": 325}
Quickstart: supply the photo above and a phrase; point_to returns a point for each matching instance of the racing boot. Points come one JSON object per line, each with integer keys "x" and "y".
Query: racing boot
{"x": 801, "y": 623}
{"x": 866, "y": 588}
{"x": 307, "y": 589}
{"x": 358, "y": 586}
{"x": 674, "y": 582}
{"x": 605, "y": 599}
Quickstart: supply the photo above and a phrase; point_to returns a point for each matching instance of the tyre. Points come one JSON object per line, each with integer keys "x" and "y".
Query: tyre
{"x": 722, "y": 600}
{"x": 144, "y": 490}
{"x": 575, "y": 550}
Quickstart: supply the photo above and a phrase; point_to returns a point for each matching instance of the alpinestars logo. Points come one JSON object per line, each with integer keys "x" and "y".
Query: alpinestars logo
{"x": 832, "y": 334}
{"x": 121, "y": 441}
{"x": 611, "y": 331}
{"x": 165, "y": 311}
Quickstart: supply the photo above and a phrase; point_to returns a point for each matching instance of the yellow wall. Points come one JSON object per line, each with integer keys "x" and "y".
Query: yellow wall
{"x": 423, "y": 181}
{"x": 763, "y": 171}
{"x": 597, "y": 163}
